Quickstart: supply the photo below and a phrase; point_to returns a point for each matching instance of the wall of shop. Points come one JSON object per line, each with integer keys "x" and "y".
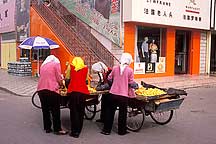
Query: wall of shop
{"x": 8, "y": 53}
{"x": 169, "y": 41}
{"x": 39, "y": 27}
{"x": 203, "y": 53}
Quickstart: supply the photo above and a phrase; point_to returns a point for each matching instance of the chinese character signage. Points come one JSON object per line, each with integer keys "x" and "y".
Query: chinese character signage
{"x": 184, "y": 13}
{"x": 7, "y": 16}
{"x": 101, "y": 15}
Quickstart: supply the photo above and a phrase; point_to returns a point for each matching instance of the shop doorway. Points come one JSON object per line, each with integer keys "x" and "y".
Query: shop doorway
{"x": 213, "y": 55}
{"x": 181, "y": 51}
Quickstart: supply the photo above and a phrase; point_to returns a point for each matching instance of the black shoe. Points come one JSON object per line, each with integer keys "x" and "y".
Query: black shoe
{"x": 105, "y": 133}
{"x": 124, "y": 133}
{"x": 61, "y": 132}
{"x": 48, "y": 130}
{"x": 99, "y": 120}
{"x": 75, "y": 135}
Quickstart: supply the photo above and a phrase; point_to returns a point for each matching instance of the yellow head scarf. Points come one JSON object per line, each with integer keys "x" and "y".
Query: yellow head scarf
{"x": 78, "y": 63}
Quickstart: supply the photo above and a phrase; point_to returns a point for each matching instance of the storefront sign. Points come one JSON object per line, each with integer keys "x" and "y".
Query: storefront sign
{"x": 139, "y": 68}
{"x": 7, "y": 13}
{"x": 184, "y": 13}
{"x": 101, "y": 15}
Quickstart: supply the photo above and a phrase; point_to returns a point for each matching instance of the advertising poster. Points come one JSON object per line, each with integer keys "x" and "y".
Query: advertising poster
{"x": 150, "y": 68}
{"x": 162, "y": 59}
{"x": 23, "y": 19}
{"x": 7, "y": 14}
{"x": 139, "y": 68}
{"x": 101, "y": 15}
{"x": 160, "y": 67}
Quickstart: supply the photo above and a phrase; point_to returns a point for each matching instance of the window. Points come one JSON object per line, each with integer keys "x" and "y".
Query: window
{"x": 149, "y": 44}
{"x": 43, "y": 53}
{"x": 25, "y": 53}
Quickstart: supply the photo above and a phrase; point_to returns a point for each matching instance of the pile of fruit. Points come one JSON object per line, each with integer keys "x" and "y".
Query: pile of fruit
{"x": 142, "y": 91}
{"x": 91, "y": 90}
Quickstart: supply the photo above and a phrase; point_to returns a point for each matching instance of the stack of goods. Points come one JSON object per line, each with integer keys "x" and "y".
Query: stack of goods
{"x": 142, "y": 91}
{"x": 20, "y": 68}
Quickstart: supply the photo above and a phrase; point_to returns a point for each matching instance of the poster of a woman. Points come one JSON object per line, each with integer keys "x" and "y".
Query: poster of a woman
{"x": 23, "y": 18}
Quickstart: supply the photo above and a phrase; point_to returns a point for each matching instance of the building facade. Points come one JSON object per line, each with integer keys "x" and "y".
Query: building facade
{"x": 14, "y": 28}
{"x": 176, "y": 33}
{"x": 212, "y": 41}
{"x": 179, "y": 35}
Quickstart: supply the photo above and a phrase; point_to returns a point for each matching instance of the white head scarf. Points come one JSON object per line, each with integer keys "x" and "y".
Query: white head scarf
{"x": 99, "y": 67}
{"x": 126, "y": 60}
{"x": 50, "y": 58}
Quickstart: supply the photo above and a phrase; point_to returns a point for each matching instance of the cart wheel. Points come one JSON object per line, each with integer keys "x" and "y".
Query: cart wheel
{"x": 135, "y": 118}
{"x": 36, "y": 100}
{"x": 162, "y": 118}
{"x": 90, "y": 111}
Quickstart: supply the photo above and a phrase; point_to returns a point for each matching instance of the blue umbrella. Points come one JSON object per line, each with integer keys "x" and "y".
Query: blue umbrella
{"x": 38, "y": 42}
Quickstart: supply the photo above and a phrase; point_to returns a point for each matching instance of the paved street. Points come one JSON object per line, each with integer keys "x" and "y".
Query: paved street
{"x": 26, "y": 86}
{"x": 193, "y": 123}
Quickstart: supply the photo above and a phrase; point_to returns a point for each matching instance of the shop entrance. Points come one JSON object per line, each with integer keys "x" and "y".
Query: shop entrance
{"x": 181, "y": 51}
{"x": 213, "y": 55}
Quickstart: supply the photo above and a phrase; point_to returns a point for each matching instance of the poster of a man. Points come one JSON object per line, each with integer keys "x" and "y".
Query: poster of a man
{"x": 145, "y": 49}
{"x": 23, "y": 18}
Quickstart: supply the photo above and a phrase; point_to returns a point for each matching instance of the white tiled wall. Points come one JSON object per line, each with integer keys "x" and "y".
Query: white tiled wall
{"x": 203, "y": 52}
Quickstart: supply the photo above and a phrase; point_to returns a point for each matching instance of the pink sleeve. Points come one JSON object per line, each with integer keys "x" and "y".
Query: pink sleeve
{"x": 131, "y": 77}
{"x": 131, "y": 92}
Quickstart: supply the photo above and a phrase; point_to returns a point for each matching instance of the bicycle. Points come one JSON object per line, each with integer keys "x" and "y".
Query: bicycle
{"x": 90, "y": 108}
{"x": 138, "y": 108}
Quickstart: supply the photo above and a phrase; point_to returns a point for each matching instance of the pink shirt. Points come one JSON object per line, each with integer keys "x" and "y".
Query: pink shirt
{"x": 121, "y": 82}
{"x": 50, "y": 77}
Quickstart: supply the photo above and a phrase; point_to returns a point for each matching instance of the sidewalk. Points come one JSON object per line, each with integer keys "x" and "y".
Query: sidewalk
{"x": 26, "y": 86}
{"x": 22, "y": 86}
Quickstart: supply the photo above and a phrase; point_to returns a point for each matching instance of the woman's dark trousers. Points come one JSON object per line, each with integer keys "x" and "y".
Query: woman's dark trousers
{"x": 50, "y": 102}
{"x": 105, "y": 103}
{"x": 122, "y": 103}
{"x": 77, "y": 109}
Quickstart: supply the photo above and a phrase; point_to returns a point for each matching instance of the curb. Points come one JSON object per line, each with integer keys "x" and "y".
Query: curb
{"x": 11, "y": 92}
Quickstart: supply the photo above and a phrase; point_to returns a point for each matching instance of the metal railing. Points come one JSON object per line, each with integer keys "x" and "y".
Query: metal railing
{"x": 74, "y": 33}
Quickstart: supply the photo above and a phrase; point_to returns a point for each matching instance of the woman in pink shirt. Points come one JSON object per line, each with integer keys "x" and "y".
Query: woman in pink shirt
{"x": 121, "y": 76}
{"x": 48, "y": 91}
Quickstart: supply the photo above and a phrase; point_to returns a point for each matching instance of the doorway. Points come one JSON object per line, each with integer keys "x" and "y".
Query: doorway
{"x": 213, "y": 55}
{"x": 181, "y": 51}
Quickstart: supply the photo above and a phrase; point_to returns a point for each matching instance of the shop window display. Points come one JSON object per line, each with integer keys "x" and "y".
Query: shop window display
{"x": 149, "y": 47}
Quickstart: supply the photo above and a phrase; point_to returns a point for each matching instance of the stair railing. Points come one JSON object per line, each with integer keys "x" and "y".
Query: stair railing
{"x": 69, "y": 38}
{"x": 83, "y": 32}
